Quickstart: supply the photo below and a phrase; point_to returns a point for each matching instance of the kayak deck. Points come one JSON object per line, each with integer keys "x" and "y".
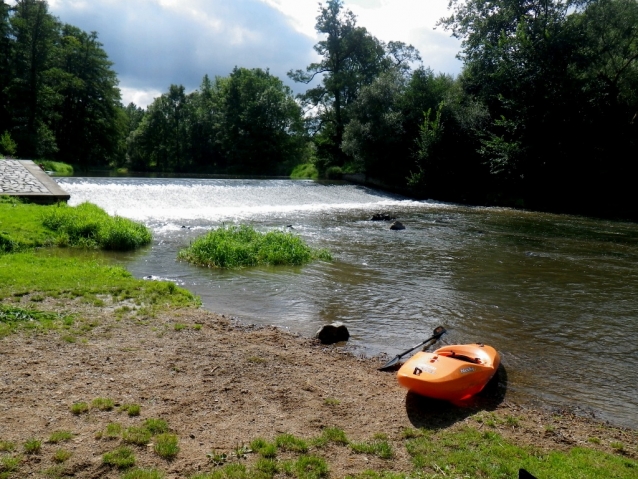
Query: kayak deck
{"x": 452, "y": 373}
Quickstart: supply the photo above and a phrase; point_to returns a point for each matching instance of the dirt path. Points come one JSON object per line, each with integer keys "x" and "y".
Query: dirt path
{"x": 220, "y": 384}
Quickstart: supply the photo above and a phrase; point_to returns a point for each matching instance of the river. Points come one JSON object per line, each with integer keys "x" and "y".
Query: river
{"x": 556, "y": 295}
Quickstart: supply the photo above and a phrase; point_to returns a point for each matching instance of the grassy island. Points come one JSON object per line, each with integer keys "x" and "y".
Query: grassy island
{"x": 240, "y": 246}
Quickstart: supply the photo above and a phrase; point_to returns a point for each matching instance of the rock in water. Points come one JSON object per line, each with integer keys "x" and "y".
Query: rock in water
{"x": 332, "y": 333}
{"x": 382, "y": 217}
{"x": 397, "y": 225}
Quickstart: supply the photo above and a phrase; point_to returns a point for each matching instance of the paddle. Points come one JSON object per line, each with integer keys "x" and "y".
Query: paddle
{"x": 437, "y": 333}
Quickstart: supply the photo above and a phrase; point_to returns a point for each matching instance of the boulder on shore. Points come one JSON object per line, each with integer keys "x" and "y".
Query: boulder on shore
{"x": 332, "y": 333}
{"x": 397, "y": 225}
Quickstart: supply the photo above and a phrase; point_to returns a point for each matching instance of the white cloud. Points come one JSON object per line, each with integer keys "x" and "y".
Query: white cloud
{"x": 154, "y": 43}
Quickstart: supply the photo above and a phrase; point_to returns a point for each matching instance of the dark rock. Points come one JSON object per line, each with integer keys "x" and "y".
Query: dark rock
{"x": 382, "y": 217}
{"x": 397, "y": 225}
{"x": 332, "y": 333}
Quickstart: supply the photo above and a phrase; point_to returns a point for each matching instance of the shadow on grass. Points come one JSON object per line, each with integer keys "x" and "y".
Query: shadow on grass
{"x": 430, "y": 413}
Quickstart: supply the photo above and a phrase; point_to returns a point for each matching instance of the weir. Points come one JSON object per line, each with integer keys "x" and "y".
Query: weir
{"x": 25, "y": 179}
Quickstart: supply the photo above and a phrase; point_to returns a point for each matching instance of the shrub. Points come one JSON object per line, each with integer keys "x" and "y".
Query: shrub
{"x": 305, "y": 170}
{"x": 334, "y": 173}
{"x": 239, "y": 246}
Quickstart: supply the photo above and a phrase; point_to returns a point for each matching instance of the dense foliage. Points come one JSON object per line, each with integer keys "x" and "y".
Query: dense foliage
{"x": 543, "y": 115}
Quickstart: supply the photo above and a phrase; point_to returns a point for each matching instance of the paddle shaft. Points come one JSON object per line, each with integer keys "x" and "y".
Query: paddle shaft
{"x": 438, "y": 332}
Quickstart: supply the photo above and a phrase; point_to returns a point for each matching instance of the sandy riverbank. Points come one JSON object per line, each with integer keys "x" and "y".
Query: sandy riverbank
{"x": 220, "y": 384}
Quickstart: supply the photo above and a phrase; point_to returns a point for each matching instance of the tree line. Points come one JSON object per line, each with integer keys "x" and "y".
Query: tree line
{"x": 544, "y": 113}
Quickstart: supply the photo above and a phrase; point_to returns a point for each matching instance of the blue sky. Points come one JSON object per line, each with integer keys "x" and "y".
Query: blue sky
{"x": 154, "y": 43}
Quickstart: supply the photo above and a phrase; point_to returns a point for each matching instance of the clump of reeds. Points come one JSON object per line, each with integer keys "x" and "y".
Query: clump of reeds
{"x": 239, "y": 246}
{"x": 89, "y": 226}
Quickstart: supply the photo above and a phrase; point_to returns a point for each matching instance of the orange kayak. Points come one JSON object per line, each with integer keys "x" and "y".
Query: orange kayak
{"x": 452, "y": 373}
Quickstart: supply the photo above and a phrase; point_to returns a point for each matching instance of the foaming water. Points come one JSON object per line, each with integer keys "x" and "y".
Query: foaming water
{"x": 556, "y": 295}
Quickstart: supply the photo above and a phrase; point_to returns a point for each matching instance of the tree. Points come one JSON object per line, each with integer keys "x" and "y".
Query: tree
{"x": 260, "y": 124}
{"x": 89, "y": 122}
{"x": 32, "y": 99}
{"x": 350, "y": 59}
{"x": 5, "y": 65}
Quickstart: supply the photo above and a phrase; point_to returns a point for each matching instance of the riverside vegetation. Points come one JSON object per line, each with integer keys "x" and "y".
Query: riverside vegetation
{"x": 87, "y": 319}
{"x": 541, "y": 115}
{"x": 238, "y": 246}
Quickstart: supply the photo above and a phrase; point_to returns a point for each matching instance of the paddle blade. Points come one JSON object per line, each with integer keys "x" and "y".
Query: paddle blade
{"x": 390, "y": 364}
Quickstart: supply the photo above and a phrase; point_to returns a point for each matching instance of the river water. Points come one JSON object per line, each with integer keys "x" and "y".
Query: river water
{"x": 556, "y": 295}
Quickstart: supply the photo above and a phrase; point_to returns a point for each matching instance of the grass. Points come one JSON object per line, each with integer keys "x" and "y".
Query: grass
{"x": 7, "y": 446}
{"x": 264, "y": 448}
{"x": 331, "y": 402}
{"x": 61, "y": 455}
{"x": 79, "y": 408}
{"x": 10, "y": 463}
{"x": 89, "y": 226}
{"x": 379, "y": 447}
{"x": 470, "y": 452}
{"x": 54, "y": 276}
{"x": 311, "y": 467}
{"x": 32, "y": 446}
{"x": 241, "y": 246}
{"x": 103, "y": 404}
{"x": 156, "y": 426}
{"x": 131, "y": 409}
{"x": 21, "y": 226}
{"x": 113, "y": 430}
{"x": 137, "y": 435}
{"x": 122, "y": 458}
{"x": 143, "y": 474}
{"x": 166, "y": 445}
{"x": 305, "y": 170}
{"x": 288, "y": 442}
{"x": 60, "y": 436}
{"x": 13, "y": 318}
{"x": 60, "y": 169}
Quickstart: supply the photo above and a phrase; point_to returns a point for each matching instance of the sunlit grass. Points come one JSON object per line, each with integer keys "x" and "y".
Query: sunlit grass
{"x": 240, "y": 246}
{"x": 89, "y": 226}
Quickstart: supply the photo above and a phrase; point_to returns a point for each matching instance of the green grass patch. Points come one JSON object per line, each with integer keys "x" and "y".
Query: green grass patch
{"x": 131, "y": 409}
{"x": 264, "y": 448}
{"x": 122, "y": 458}
{"x": 79, "y": 408}
{"x": 89, "y": 226}
{"x": 60, "y": 169}
{"x": 32, "y": 446}
{"x": 469, "y": 452}
{"x": 240, "y": 246}
{"x": 113, "y": 430}
{"x": 310, "y": 467}
{"x": 61, "y": 455}
{"x": 9, "y": 464}
{"x": 51, "y": 275}
{"x": 60, "y": 436}
{"x": 7, "y": 446}
{"x": 166, "y": 445}
{"x": 13, "y": 318}
{"x": 288, "y": 442}
{"x": 137, "y": 435}
{"x": 378, "y": 446}
{"x": 305, "y": 171}
{"x": 103, "y": 404}
{"x": 369, "y": 474}
{"x": 156, "y": 426}
{"x": 21, "y": 226}
{"x": 143, "y": 474}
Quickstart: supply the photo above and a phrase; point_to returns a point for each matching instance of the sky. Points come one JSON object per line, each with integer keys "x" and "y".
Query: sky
{"x": 156, "y": 43}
